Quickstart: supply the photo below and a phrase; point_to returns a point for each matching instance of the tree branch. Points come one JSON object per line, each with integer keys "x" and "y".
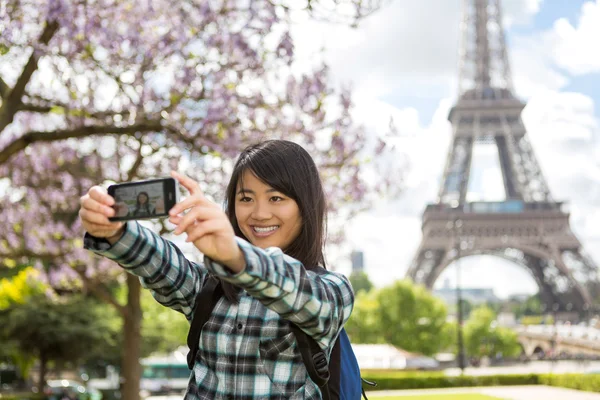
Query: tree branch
{"x": 34, "y": 108}
{"x": 136, "y": 165}
{"x": 17, "y": 92}
{"x": 49, "y": 136}
{"x": 3, "y": 88}
{"x": 101, "y": 292}
{"x": 14, "y": 97}
{"x": 29, "y": 254}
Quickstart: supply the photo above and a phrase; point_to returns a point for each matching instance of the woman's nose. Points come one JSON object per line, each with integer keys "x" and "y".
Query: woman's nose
{"x": 261, "y": 211}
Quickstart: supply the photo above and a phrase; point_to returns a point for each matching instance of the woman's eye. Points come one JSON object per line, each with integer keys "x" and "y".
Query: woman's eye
{"x": 245, "y": 199}
{"x": 276, "y": 198}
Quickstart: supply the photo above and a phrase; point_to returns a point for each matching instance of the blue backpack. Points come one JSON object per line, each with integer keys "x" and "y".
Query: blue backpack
{"x": 338, "y": 379}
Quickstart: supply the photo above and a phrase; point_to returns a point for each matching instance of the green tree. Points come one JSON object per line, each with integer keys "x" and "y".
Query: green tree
{"x": 531, "y": 307}
{"x": 483, "y": 337}
{"x": 363, "y": 325}
{"x": 163, "y": 330}
{"x": 411, "y": 318}
{"x": 18, "y": 288}
{"x": 360, "y": 281}
{"x": 57, "y": 332}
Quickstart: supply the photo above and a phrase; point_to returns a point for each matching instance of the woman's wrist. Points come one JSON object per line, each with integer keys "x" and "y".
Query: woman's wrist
{"x": 238, "y": 263}
{"x": 115, "y": 238}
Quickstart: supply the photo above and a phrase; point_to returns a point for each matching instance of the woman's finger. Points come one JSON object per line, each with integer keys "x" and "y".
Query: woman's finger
{"x": 198, "y": 213}
{"x": 93, "y": 217}
{"x": 192, "y": 201}
{"x": 90, "y": 204}
{"x": 201, "y": 229}
{"x": 99, "y": 194}
{"x": 191, "y": 185}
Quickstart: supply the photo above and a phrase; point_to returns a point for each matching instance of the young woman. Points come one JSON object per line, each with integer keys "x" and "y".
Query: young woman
{"x": 142, "y": 206}
{"x": 262, "y": 249}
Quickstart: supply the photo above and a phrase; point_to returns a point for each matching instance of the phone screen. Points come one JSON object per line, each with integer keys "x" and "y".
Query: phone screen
{"x": 144, "y": 199}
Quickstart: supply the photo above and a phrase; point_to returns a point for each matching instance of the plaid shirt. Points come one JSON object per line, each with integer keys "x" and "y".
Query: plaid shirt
{"x": 247, "y": 350}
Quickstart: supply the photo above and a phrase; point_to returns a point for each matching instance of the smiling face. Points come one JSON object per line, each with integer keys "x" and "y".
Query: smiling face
{"x": 142, "y": 198}
{"x": 266, "y": 217}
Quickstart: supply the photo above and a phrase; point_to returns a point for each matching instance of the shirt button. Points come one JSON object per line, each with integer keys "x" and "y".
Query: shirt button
{"x": 240, "y": 326}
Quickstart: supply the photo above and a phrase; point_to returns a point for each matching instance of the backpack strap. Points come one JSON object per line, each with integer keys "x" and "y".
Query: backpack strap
{"x": 313, "y": 356}
{"x": 315, "y": 360}
{"x": 326, "y": 374}
{"x": 206, "y": 300}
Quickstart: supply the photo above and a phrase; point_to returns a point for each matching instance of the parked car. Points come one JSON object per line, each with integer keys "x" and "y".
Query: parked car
{"x": 64, "y": 389}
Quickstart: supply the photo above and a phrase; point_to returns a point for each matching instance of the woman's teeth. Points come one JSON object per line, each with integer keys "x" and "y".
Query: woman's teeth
{"x": 264, "y": 229}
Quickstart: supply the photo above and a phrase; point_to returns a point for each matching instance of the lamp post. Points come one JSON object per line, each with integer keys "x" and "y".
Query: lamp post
{"x": 459, "y": 306}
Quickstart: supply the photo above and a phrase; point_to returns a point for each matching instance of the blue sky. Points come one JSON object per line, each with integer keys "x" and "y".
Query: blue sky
{"x": 402, "y": 63}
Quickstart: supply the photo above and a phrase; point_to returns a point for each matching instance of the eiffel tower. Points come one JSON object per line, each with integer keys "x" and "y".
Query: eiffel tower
{"x": 528, "y": 228}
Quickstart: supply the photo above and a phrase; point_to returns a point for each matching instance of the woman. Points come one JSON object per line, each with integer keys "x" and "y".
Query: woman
{"x": 262, "y": 249}
{"x": 142, "y": 206}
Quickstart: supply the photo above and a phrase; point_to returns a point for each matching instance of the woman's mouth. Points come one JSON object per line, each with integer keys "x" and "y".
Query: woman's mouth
{"x": 264, "y": 231}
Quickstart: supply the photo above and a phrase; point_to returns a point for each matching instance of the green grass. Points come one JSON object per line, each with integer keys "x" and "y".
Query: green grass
{"x": 454, "y": 396}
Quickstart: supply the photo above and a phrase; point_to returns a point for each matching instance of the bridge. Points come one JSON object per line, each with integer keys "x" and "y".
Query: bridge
{"x": 539, "y": 341}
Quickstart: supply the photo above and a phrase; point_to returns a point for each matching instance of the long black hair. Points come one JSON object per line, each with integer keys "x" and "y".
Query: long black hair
{"x": 145, "y": 208}
{"x": 288, "y": 168}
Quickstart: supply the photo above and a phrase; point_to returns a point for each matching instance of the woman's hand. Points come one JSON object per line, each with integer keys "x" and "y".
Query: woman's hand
{"x": 94, "y": 213}
{"x": 207, "y": 226}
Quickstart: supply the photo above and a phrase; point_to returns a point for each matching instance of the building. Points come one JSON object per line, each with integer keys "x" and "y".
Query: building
{"x": 386, "y": 356}
{"x": 474, "y": 296}
{"x": 358, "y": 261}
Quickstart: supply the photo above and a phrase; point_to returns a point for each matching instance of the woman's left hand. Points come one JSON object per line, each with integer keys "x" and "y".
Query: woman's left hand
{"x": 207, "y": 226}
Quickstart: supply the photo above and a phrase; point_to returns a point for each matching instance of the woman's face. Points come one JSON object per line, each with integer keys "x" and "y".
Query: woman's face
{"x": 265, "y": 216}
{"x": 142, "y": 198}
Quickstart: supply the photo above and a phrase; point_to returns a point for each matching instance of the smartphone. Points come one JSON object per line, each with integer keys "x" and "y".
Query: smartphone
{"x": 146, "y": 199}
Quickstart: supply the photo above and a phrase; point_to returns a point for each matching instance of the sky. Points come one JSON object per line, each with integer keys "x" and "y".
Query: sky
{"x": 402, "y": 63}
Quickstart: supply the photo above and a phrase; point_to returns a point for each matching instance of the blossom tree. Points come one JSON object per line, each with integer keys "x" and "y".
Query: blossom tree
{"x": 99, "y": 91}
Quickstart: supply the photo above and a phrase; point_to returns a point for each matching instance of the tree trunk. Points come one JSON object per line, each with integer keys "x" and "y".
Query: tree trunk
{"x": 42, "y": 377}
{"x": 131, "y": 371}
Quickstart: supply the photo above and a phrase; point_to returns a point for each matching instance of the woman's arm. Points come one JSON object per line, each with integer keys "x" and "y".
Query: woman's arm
{"x": 161, "y": 266}
{"x": 319, "y": 304}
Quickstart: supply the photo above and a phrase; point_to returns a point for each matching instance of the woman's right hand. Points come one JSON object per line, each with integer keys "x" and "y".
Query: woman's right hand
{"x": 94, "y": 213}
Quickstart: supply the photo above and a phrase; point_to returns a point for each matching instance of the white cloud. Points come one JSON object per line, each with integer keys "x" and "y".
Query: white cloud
{"x": 566, "y": 139}
{"x": 409, "y": 49}
{"x": 532, "y": 68}
{"x": 573, "y": 46}
{"x": 565, "y": 135}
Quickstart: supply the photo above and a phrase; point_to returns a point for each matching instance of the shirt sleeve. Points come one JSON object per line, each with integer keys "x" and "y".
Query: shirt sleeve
{"x": 319, "y": 304}
{"x": 172, "y": 279}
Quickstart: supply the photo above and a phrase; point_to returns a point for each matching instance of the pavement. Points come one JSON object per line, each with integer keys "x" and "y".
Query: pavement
{"x": 534, "y": 392}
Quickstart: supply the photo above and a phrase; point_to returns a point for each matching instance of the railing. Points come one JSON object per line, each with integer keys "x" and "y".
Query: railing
{"x": 508, "y": 206}
{"x": 562, "y": 331}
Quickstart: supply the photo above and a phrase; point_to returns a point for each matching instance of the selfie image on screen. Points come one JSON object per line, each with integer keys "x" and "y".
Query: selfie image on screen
{"x": 140, "y": 200}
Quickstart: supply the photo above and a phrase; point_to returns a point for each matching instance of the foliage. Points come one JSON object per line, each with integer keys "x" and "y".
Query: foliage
{"x": 364, "y": 325}
{"x": 57, "y": 331}
{"x": 403, "y": 315}
{"x": 400, "y": 380}
{"x": 411, "y": 318}
{"x": 484, "y": 338}
{"x": 588, "y": 382}
{"x": 397, "y": 380}
{"x": 530, "y": 307}
{"x": 360, "y": 281}
{"x": 19, "y": 288}
{"x": 453, "y": 396}
{"x": 94, "y": 92}
{"x": 163, "y": 329}
{"x": 537, "y": 320}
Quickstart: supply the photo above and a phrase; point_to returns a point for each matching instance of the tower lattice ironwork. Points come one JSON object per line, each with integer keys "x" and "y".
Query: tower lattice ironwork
{"x": 528, "y": 227}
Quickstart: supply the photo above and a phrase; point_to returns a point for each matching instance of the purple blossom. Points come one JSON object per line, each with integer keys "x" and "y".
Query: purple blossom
{"x": 221, "y": 97}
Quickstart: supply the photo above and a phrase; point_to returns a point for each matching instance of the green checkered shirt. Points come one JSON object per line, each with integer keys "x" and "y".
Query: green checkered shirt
{"x": 247, "y": 350}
